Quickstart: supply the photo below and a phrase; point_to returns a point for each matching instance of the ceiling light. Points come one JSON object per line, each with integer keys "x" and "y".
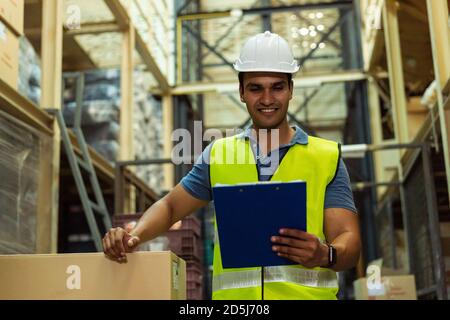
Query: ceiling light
{"x": 311, "y": 15}
{"x": 322, "y": 45}
{"x": 312, "y": 28}
{"x": 319, "y": 15}
{"x": 313, "y": 45}
{"x": 236, "y": 13}
{"x": 313, "y": 33}
{"x": 304, "y": 31}
{"x": 320, "y": 27}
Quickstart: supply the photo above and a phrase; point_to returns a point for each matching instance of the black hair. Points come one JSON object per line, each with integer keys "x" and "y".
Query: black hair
{"x": 241, "y": 79}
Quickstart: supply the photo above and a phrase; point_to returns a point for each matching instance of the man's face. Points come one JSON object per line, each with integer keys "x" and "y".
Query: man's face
{"x": 267, "y": 96}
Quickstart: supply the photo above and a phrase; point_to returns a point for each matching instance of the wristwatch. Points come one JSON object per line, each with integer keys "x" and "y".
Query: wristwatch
{"x": 332, "y": 255}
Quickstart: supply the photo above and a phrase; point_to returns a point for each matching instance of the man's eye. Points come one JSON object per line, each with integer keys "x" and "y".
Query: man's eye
{"x": 254, "y": 88}
{"x": 278, "y": 88}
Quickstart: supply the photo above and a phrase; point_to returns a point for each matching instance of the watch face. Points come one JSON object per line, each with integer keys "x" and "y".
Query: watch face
{"x": 333, "y": 255}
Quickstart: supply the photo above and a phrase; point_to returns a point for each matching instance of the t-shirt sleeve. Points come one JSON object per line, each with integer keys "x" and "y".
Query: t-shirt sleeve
{"x": 197, "y": 182}
{"x": 339, "y": 192}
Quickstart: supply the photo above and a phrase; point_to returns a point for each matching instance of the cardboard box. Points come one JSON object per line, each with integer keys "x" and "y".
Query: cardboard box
{"x": 391, "y": 288}
{"x": 9, "y": 56}
{"x": 12, "y": 13}
{"x": 383, "y": 283}
{"x": 147, "y": 275}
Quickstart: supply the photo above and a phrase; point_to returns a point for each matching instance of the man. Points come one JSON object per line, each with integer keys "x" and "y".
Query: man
{"x": 332, "y": 240}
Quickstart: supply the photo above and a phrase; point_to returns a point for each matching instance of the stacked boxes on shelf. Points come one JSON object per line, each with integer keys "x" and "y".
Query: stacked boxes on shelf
{"x": 29, "y": 71}
{"x": 185, "y": 240}
{"x": 148, "y": 132}
{"x": 20, "y": 156}
{"x": 11, "y": 28}
{"x": 100, "y": 110}
{"x": 101, "y": 124}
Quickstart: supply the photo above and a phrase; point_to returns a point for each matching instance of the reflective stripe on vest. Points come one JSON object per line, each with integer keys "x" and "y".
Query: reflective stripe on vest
{"x": 252, "y": 278}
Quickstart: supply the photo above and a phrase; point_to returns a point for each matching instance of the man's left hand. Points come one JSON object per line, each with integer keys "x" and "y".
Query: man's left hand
{"x": 301, "y": 247}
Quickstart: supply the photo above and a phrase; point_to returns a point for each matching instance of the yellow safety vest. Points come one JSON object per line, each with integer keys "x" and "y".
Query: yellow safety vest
{"x": 232, "y": 162}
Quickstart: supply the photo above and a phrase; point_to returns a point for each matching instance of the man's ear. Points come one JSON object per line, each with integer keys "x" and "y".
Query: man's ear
{"x": 241, "y": 94}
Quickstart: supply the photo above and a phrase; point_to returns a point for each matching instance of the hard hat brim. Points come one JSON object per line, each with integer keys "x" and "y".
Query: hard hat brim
{"x": 295, "y": 70}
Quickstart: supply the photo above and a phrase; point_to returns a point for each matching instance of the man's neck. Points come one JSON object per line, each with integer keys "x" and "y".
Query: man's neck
{"x": 271, "y": 139}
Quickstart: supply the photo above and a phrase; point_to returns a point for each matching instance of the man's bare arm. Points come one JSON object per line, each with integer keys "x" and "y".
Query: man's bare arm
{"x": 341, "y": 228}
{"x": 163, "y": 214}
{"x": 173, "y": 207}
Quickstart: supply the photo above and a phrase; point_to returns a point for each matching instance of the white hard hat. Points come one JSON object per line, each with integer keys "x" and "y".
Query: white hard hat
{"x": 266, "y": 52}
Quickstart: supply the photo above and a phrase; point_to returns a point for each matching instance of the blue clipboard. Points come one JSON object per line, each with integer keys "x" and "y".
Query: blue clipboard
{"x": 249, "y": 214}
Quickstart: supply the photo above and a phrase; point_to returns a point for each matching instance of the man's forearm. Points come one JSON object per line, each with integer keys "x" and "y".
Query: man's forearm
{"x": 348, "y": 248}
{"x": 155, "y": 221}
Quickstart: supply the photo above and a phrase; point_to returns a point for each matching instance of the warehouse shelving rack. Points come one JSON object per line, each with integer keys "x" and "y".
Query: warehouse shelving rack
{"x": 419, "y": 216}
{"x": 389, "y": 57}
{"x": 44, "y": 26}
{"x": 382, "y": 43}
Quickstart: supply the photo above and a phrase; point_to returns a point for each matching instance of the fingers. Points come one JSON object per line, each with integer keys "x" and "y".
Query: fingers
{"x": 300, "y": 256}
{"x": 295, "y": 252}
{"x": 291, "y": 242}
{"x": 298, "y": 246}
{"x": 113, "y": 244}
{"x": 112, "y": 240}
{"x": 133, "y": 242}
{"x": 118, "y": 237}
{"x": 299, "y": 234}
{"x": 107, "y": 248}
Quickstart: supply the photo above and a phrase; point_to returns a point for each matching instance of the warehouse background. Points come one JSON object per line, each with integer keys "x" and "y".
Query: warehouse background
{"x": 374, "y": 74}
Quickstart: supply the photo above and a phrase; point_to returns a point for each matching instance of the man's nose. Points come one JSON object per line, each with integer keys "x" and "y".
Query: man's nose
{"x": 267, "y": 98}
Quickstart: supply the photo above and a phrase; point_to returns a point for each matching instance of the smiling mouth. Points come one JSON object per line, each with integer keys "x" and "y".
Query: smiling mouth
{"x": 267, "y": 110}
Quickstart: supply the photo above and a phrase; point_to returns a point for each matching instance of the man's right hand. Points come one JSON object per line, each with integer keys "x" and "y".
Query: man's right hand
{"x": 117, "y": 243}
